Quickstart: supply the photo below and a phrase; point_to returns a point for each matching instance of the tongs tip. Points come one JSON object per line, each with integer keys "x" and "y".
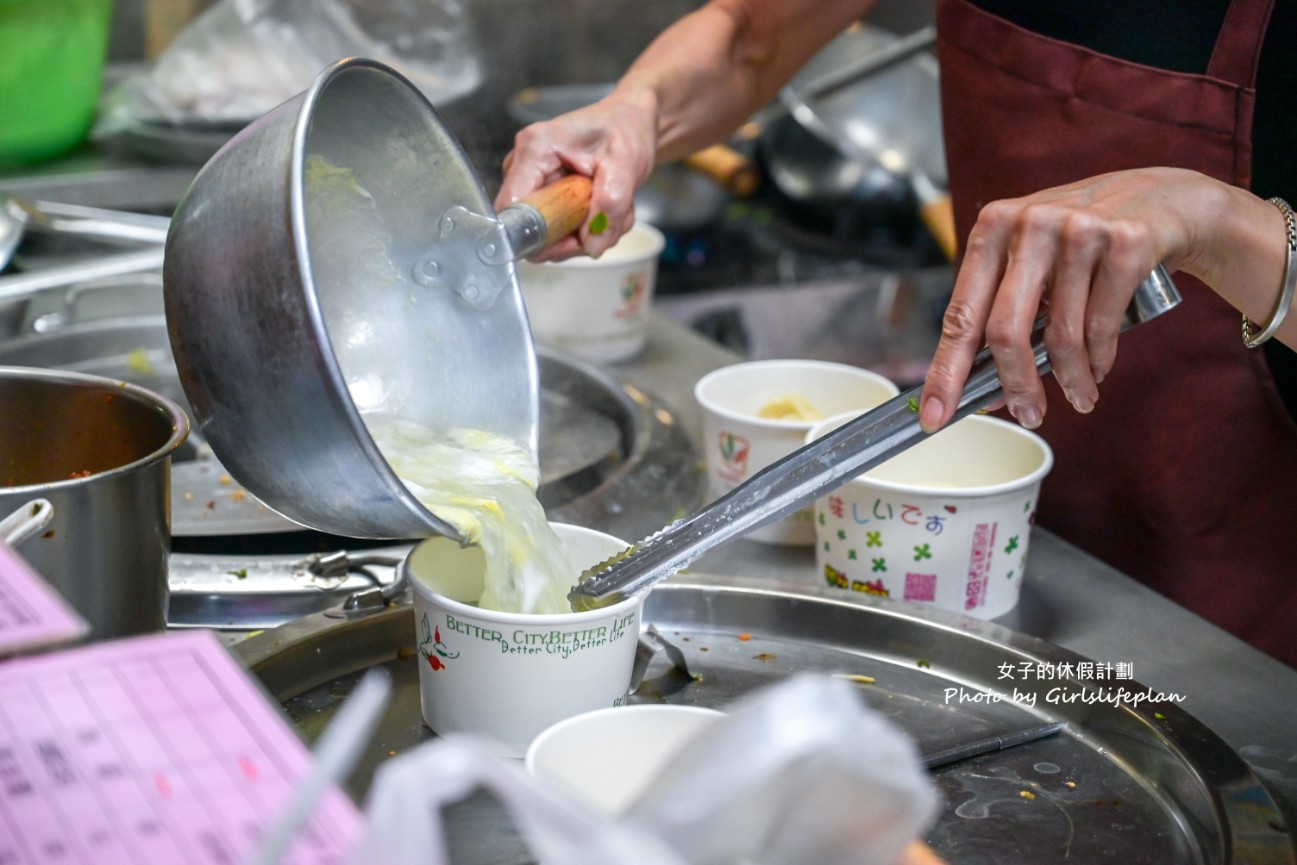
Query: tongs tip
{"x": 586, "y": 594}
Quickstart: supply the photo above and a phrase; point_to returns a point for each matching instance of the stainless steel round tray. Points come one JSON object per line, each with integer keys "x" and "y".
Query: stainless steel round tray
{"x": 1126, "y": 783}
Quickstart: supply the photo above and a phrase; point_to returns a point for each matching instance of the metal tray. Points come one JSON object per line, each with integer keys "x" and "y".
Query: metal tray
{"x": 1127, "y": 783}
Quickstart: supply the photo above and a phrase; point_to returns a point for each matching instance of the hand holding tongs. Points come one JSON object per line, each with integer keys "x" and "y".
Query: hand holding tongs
{"x": 815, "y": 469}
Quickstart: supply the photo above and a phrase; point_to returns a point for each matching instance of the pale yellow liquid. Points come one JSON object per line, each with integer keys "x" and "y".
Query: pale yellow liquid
{"x": 790, "y": 407}
{"x": 485, "y": 486}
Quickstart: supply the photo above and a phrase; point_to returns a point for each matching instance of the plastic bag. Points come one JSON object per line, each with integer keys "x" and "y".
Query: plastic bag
{"x": 404, "y": 821}
{"x": 801, "y": 772}
{"x": 241, "y": 58}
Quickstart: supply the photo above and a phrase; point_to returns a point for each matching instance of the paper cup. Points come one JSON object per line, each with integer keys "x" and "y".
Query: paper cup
{"x": 595, "y": 308}
{"x": 606, "y": 759}
{"x": 508, "y": 676}
{"x": 945, "y": 522}
{"x": 737, "y": 442}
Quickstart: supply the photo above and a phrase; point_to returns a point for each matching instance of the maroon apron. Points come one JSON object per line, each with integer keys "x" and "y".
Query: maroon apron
{"x": 1185, "y": 474}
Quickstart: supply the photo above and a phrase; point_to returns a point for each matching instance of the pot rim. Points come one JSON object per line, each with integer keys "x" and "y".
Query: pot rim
{"x": 179, "y": 423}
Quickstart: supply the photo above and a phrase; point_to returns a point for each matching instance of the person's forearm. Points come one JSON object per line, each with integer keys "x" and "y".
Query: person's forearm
{"x": 705, "y": 75}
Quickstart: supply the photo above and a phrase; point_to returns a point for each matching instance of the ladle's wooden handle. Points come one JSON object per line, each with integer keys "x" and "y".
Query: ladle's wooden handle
{"x": 937, "y": 213}
{"x": 563, "y": 205}
{"x": 939, "y": 216}
{"x": 918, "y": 853}
{"x": 728, "y": 167}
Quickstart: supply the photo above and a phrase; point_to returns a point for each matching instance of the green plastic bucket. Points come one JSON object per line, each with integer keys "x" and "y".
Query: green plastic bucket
{"x": 51, "y": 72}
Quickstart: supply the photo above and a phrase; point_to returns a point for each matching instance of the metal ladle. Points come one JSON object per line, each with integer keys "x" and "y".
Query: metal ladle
{"x": 819, "y": 467}
{"x": 338, "y": 260}
{"x": 855, "y": 129}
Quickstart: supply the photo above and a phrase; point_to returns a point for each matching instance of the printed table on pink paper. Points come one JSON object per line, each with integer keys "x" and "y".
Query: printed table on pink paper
{"x": 154, "y": 749}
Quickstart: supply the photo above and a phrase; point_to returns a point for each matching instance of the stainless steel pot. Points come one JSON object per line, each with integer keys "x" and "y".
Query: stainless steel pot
{"x": 100, "y": 451}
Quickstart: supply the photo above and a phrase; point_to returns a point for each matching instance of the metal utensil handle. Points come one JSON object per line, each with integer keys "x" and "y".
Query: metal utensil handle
{"x": 806, "y": 474}
{"x": 26, "y": 522}
{"x": 96, "y": 222}
{"x": 875, "y": 61}
{"x": 990, "y": 744}
{"x": 26, "y": 284}
{"x": 547, "y": 215}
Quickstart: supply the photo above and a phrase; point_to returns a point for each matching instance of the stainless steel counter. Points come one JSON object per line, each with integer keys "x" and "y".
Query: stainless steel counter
{"x": 1069, "y": 598}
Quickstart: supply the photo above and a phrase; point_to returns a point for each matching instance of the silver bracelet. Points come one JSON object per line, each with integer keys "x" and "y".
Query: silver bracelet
{"x": 1250, "y": 339}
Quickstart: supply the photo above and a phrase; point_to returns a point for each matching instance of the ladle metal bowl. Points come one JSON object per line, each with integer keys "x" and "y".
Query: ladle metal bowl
{"x": 861, "y": 142}
{"x": 339, "y": 258}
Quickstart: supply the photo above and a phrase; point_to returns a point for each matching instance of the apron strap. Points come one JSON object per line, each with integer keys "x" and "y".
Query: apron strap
{"x": 1238, "y": 46}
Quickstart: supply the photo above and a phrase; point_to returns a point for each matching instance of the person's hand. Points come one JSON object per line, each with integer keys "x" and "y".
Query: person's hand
{"x": 1077, "y": 252}
{"x": 612, "y": 142}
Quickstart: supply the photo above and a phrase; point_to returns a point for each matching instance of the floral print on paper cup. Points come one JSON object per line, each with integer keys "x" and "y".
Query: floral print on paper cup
{"x": 945, "y": 523}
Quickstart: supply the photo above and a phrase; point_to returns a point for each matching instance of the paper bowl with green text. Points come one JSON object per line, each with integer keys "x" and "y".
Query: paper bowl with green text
{"x": 508, "y": 676}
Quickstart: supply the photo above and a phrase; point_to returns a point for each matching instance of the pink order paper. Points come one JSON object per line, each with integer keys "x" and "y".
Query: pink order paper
{"x": 154, "y": 749}
{"x": 32, "y": 614}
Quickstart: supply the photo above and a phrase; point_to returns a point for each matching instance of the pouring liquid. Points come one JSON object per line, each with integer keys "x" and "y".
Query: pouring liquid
{"x": 485, "y": 486}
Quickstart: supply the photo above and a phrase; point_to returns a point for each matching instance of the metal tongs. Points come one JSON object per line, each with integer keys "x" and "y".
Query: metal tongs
{"x": 817, "y": 468}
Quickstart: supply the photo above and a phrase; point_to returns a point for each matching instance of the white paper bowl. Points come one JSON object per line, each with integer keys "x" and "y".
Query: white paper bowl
{"x": 946, "y": 522}
{"x": 737, "y": 443}
{"x": 607, "y": 758}
{"x": 508, "y": 676}
{"x": 595, "y": 308}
